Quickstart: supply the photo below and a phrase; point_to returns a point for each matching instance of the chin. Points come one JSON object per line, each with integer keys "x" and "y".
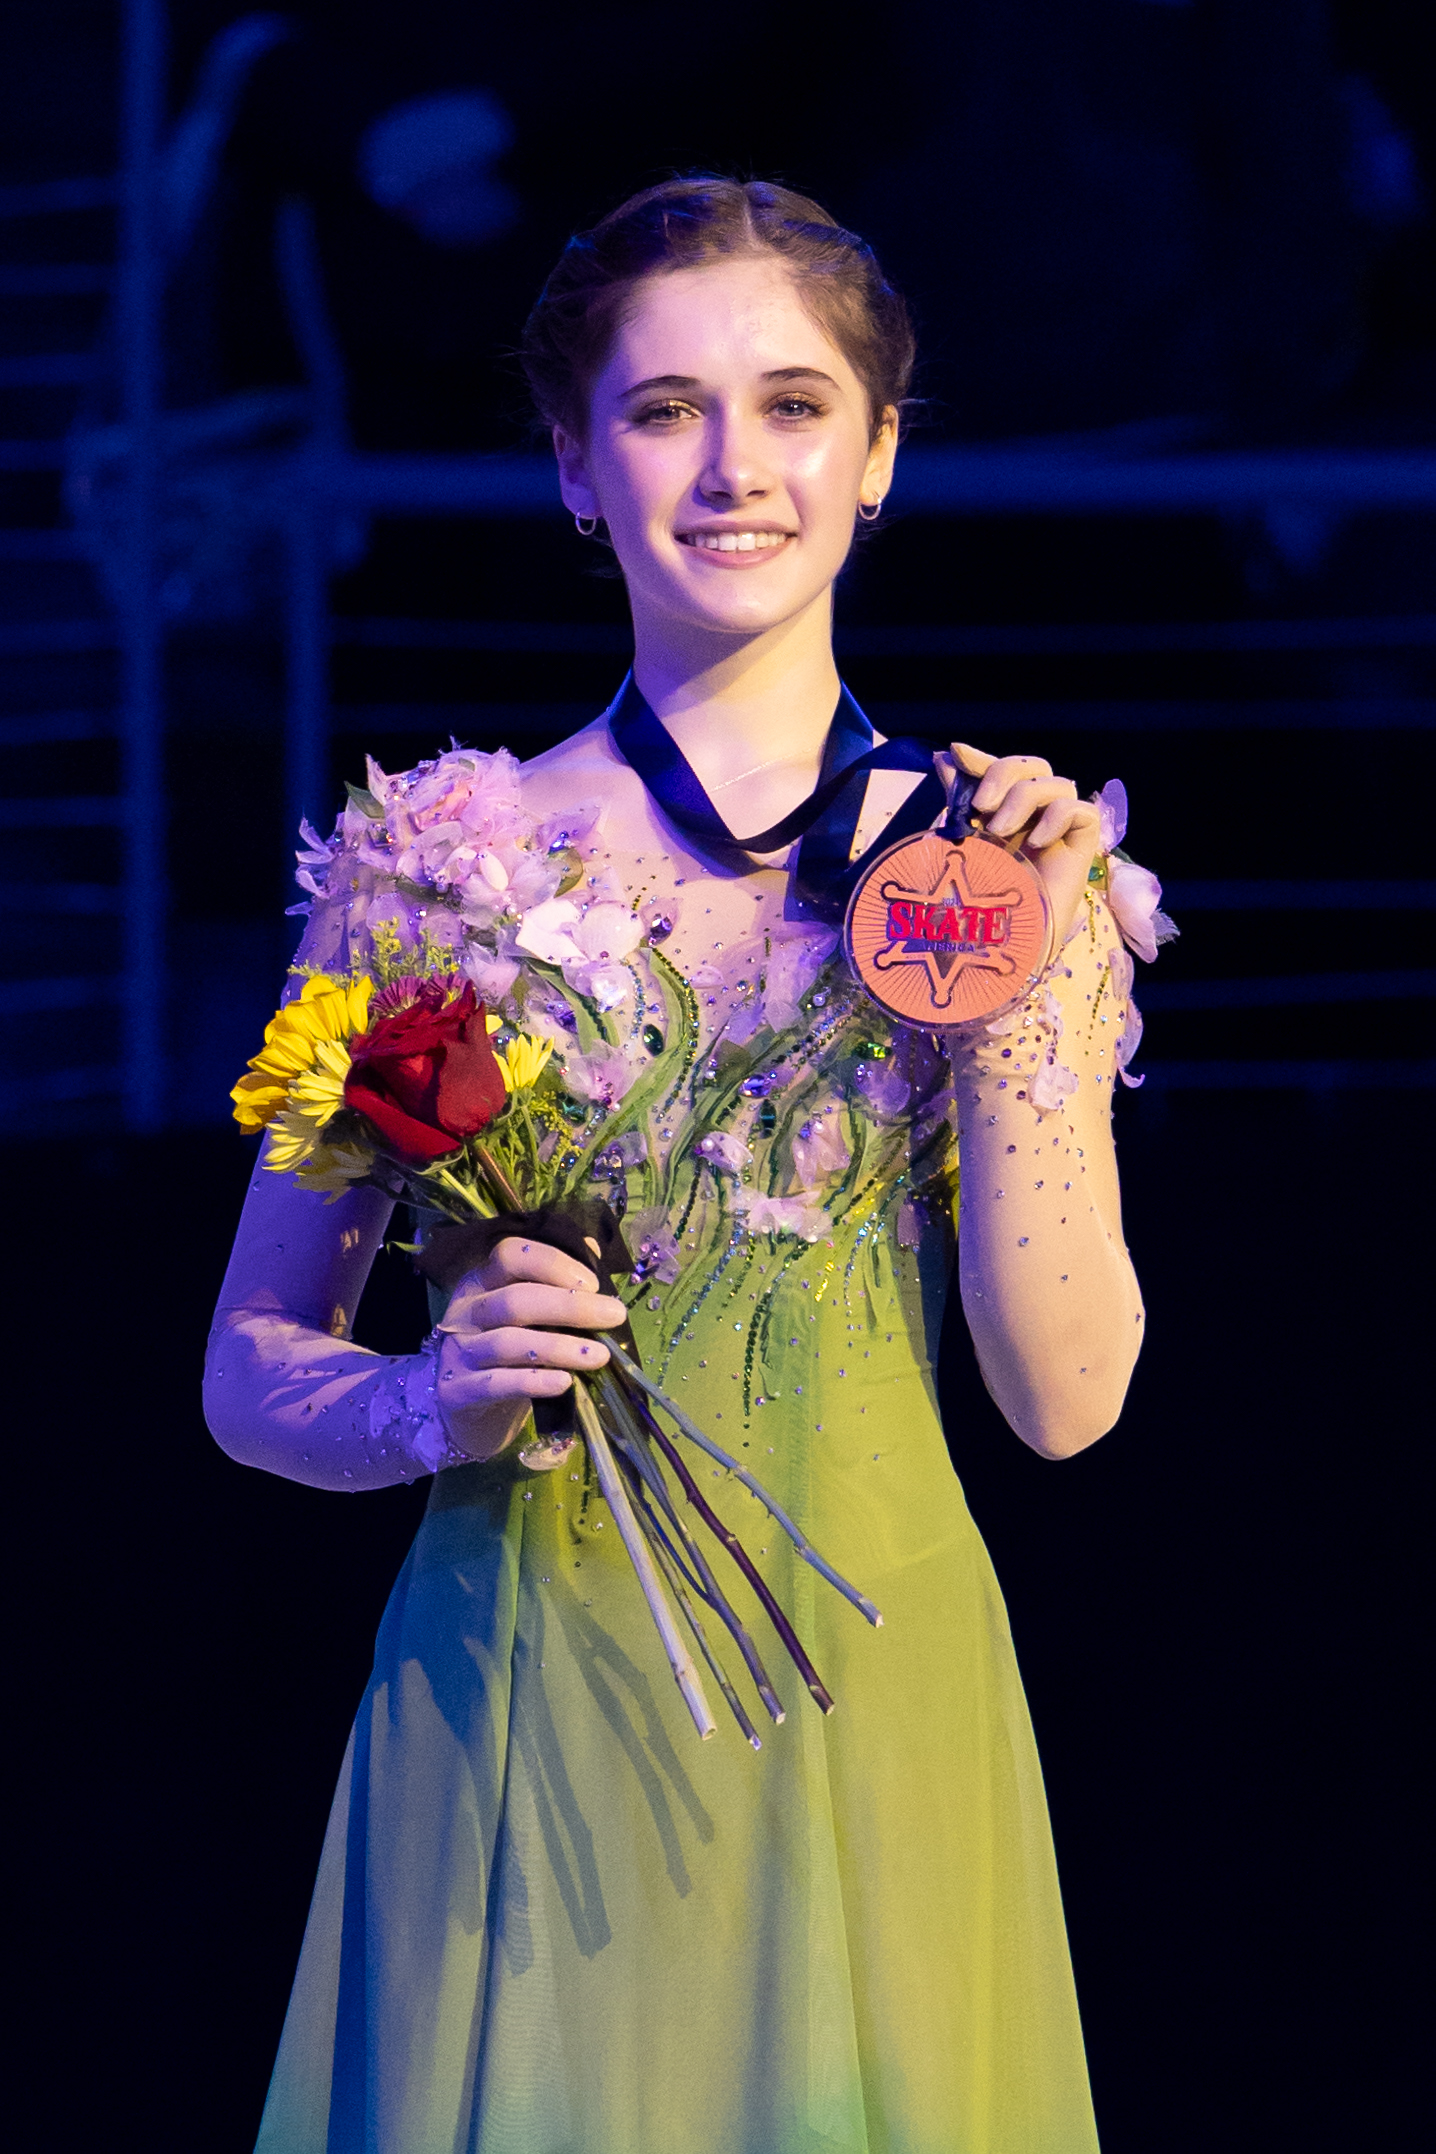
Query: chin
{"x": 742, "y": 608}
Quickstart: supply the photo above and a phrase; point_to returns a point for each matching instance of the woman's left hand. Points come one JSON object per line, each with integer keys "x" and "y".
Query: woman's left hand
{"x": 1062, "y": 843}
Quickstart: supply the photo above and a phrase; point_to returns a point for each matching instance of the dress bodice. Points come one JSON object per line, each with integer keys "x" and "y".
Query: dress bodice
{"x": 767, "y": 1133}
{"x": 799, "y": 1134}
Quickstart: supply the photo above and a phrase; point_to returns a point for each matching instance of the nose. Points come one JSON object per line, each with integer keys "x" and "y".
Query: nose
{"x": 735, "y": 468}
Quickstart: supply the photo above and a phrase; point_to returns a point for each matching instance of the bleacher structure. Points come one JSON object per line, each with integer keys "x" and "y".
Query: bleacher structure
{"x": 100, "y": 474}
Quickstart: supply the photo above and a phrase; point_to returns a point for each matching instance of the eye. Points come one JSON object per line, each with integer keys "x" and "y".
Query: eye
{"x": 670, "y": 412}
{"x": 796, "y": 404}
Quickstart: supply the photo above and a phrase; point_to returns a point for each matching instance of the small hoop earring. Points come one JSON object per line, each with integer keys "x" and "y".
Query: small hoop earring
{"x": 870, "y": 511}
{"x": 585, "y": 526}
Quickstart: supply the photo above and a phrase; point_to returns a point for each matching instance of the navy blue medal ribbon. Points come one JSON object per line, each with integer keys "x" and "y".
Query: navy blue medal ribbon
{"x": 826, "y": 822}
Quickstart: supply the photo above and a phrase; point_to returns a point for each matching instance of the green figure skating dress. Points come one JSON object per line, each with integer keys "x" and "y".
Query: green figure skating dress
{"x": 548, "y": 1919}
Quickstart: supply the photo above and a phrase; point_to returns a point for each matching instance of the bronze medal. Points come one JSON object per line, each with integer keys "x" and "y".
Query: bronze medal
{"x": 945, "y": 932}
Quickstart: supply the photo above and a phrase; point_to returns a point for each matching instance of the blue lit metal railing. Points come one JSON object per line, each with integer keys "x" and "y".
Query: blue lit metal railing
{"x": 956, "y": 481}
{"x": 1029, "y": 481}
{"x": 122, "y": 476}
{"x": 138, "y": 294}
{"x": 946, "y": 481}
{"x": 137, "y": 810}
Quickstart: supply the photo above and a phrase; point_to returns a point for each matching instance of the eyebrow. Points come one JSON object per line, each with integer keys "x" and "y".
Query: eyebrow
{"x": 691, "y": 381}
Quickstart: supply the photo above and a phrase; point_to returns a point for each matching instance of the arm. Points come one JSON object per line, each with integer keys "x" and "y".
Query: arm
{"x": 1047, "y": 1286}
{"x": 286, "y": 1388}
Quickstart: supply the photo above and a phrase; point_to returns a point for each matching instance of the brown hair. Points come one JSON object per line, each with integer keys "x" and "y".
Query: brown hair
{"x": 684, "y": 222}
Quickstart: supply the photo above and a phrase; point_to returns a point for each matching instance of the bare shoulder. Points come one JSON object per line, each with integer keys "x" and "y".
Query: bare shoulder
{"x": 587, "y": 767}
{"x": 587, "y": 758}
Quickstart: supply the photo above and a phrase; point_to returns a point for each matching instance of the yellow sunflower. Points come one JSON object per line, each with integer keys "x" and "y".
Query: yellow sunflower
{"x": 292, "y": 1138}
{"x": 326, "y": 1013}
{"x": 330, "y": 1169}
{"x": 318, "y": 1092}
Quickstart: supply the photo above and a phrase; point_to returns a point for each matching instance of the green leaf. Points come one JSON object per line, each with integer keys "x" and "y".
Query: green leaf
{"x": 572, "y": 862}
{"x": 364, "y": 801}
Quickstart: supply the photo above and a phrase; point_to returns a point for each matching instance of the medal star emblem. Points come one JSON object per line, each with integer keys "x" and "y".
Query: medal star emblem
{"x": 943, "y": 931}
{"x": 948, "y": 927}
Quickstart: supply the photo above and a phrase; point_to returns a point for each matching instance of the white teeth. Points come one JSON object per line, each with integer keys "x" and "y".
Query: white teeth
{"x": 735, "y": 541}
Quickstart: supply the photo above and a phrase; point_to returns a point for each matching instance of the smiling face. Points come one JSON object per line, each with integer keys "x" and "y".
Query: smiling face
{"x": 729, "y": 445}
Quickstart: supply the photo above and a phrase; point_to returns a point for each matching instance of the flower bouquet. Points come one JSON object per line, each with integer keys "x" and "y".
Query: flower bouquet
{"x": 471, "y": 1035}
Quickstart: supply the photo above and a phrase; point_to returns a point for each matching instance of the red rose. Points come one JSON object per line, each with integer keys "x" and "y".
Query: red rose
{"x": 426, "y": 1077}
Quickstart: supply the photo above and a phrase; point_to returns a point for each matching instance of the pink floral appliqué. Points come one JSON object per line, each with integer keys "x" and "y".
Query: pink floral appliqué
{"x": 1134, "y": 893}
{"x": 800, "y": 1214}
{"x": 603, "y": 1075}
{"x": 588, "y": 947}
{"x": 655, "y": 1251}
{"x": 883, "y": 1086}
{"x": 725, "y": 1154}
{"x": 820, "y": 1149}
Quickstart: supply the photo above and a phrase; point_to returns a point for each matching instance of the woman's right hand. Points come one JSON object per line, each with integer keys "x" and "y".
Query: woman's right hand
{"x": 512, "y": 1334}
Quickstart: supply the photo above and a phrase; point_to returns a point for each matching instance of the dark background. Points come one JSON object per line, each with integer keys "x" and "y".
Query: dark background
{"x": 1204, "y": 224}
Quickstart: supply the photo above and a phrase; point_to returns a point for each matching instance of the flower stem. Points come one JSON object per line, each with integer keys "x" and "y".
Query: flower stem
{"x": 442, "y": 1174}
{"x": 817, "y": 1688}
{"x": 503, "y": 1189}
{"x": 750, "y": 1481}
{"x": 530, "y": 1142}
{"x": 636, "y": 1448}
{"x": 690, "y": 1614}
{"x": 680, "y": 1660}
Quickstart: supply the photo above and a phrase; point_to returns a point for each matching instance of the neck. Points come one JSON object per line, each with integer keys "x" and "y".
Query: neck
{"x": 750, "y": 713}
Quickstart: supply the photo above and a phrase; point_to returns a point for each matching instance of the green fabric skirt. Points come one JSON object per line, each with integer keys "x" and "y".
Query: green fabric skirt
{"x": 549, "y": 1920}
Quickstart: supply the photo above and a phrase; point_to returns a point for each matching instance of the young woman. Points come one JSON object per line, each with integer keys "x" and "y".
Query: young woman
{"x": 546, "y": 1918}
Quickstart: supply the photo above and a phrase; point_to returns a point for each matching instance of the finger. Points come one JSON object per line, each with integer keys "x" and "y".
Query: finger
{"x": 1023, "y": 800}
{"x": 513, "y": 1347}
{"x": 525, "y": 1303}
{"x": 516, "y": 1258}
{"x": 569, "y": 1292}
{"x": 489, "y": 1387}
{"x": 1075, "y": 821}
{"x": 974, "y": 761}
{"x": 1007, "y": 771}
